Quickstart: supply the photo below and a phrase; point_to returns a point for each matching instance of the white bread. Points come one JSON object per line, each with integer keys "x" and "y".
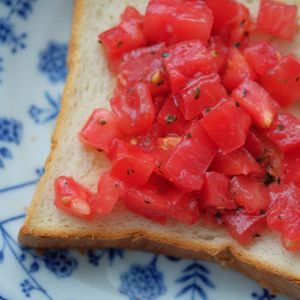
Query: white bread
{"x": 90, "y": 85}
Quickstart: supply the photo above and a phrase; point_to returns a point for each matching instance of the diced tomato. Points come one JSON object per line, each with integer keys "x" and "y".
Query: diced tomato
{"x": 227, "y": 125}
{"x": 283, "y": 81}
{"x": 100, "y": 130}
{"x": 72, "y": 198}
{"x": 269, "y": 156}
{"x": 184, "y": 60}
{"x": 214, "y": 192}
{"x": 211, "y": 216}
{"x": 292, "y": 167}
{"x": 261, "y": 56}
{"x": 126, "y": 36}
{"x": 238, "y": 162}
{"x": 145, "y": 202}
{"x": 218, "y": 51}
{"x": 285, "y": 132}
{"x": 284, "y": 214}
{"x": 174, "y": 21}
{"x": 231, "y": 20}
{"x": 257, "y": 103}
{"x": 170, "y": 118}
{"x": 237, "y": 70}
{"x": 109, "y": 191}
{"x": 278, "y": 19}
{"x": 200, "y": 95}
{"x": 243, "y": 227}
{"x": 132, "y": 165}
{"x": 189, "y": 160}
{"x": 134, "y": 109}
{"x": 145, "y": 65}
{"x": 130, "y": 13}
{"x": 250, "y": 194}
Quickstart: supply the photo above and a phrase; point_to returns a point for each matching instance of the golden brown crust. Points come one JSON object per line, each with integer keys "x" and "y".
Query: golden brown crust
{"x": 226, "y": 254}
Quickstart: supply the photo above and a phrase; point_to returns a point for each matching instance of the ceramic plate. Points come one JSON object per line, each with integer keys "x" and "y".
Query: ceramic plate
{"x": 33, "y": 47}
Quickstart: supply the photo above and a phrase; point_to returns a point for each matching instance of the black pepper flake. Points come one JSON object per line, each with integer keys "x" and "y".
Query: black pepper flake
{"x": 197, "y": 93}
{"x": 262, "y": 212}
{"x": 237, "y": 45}
{"x": 189, "y": 135}
{"x": 259, "y": 159}
{"x": 170, "y": 118}
{"x": 218, "y": 215}
{"x": 278, "y": 180}
{"x": 280, "y": 217}
{"x": 120, "y": 44}
{"x": 256, "y": 235}
{"x": 237, "y": 104}
{"x": 130, "y": 171}
{"x": 244, "y": 93}
{"x": 99, "y": 41}
{"x": 280, "y": 127}
{"x": 269, "y": 178}
{"x": 147, "y": 201}
{"x": 242, "y": 23}
{"x": 165, "y": 54}
{"x": 102, "y": 122}
{"x": 160, "y": 82}
{"x": 207, "y": 110}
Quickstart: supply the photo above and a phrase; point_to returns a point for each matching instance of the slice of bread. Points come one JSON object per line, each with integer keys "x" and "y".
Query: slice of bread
{"x": 89, "y": 85}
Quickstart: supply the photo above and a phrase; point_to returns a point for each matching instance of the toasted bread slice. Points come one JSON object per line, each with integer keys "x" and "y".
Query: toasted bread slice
{"x": 90, "y": 85}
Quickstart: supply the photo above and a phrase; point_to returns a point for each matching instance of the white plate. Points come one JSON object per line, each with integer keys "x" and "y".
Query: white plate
{"x": 33, "y": 47}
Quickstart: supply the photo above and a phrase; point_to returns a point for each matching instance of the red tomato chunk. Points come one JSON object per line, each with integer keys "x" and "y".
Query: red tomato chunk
{"x": 174, "y": 21}
{"x": 292, "y": 167}
{"x": 278, "y": 19}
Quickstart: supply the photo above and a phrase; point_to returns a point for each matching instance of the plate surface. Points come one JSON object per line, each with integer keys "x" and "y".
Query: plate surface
{"x": 33, "y": 46}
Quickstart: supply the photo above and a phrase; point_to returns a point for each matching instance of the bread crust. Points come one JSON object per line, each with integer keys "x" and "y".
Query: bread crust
{"x": 228, "y": 254}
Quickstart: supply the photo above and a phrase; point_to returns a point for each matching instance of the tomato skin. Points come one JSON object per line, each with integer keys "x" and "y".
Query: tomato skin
{"x": 174, "y": 21}
{"x": 74, "y": 199}
{"x": 184, "y": 60}
{"x": 218, "y": 51}
{"x": 230, "y": 119}
{"x": 278, "y": 19}
{"x": 238, "y": 162}
{"x": 109, "y": 191}
{"x": 244, "y": 227}
{"x": 214, "y": 192}
{"x": 201, "y": 94}
{"x": 170, "y": 118}
{"x": 292, "y": 167}
{"x": 131, "y": 165}
{"x": 261, "y": 56}
{"x": 283, "y": 81}
{"x": 237, "y": 70}
{"x": 249, "y": 193}
{"x": 189, "y": 160}
{"x": 147, "y": 63}
{"x": 285, "y": 132}
{"x": 284, "y": 214}
{"x": 256, "y": 102}
{"x": 134, "y": 109}
{"x": 144, "y": 201}
{"x": 100, "y": 130}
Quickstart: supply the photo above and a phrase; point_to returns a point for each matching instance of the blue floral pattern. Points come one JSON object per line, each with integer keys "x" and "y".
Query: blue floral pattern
{"x": 265, "y": 295}
{"x": 94, "y": 256}
{"x": 143, "y": 282}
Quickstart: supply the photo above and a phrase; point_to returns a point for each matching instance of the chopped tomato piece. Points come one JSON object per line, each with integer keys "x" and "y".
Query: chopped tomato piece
{"x": 109, "y": 191}
{"x": 190, "y": 159}
{"x": 132, "y": 165}
{"x": 184, "y": 60}
{"x": 238, "y": 162}
{"x": 170, "y": 118}
{"x": 130, "y": 13}
{"x": 218, "y": 51}
{"x": 243, "y": 227}
{"x": 200, "y": 95}
{"x": 284, "y": 214}
{"x": 72, "y": 198}
{"x": 249, "y": 193}
{"x": 147, "y": 63}
{"x": 237, "y": 70}
{"x": 283, "y": 81}
{"x": 211, "y": 216}
{"x": 145, "y": 202}
{"x": 214, "y": 192}
{"x": 268, "y": 155}
{"x": 134, "y": 109}
{"x": 256, "y": 102}
{"x": 292, "y": 167}
{"x": 227, "y": 125}
{"x": 278, "y": 19}
{"x": 231, "y": 20}
{"x": 261, "y": 56}
{"x": 285, "y": 132}
{"x": 126, "y": 36}
{"x": 174, "y": 21}
{"x": 100, "y": 130}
